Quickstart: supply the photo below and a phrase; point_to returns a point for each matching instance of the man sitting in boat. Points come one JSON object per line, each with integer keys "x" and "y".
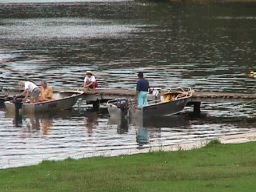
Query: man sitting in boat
{"x": 46, "y": 92}
{"x": 30, "y": 89}
{"x": 142, "y": 90}
{"x": 90, "y": 82}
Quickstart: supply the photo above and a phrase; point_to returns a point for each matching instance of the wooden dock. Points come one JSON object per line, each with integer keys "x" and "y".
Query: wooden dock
{"x": 106, "y": 94}
{"x": 222, "y": 96}
{"x": 103, "y": 95}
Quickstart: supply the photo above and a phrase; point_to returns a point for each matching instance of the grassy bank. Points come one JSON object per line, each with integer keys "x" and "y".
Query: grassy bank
{"x": 216, "y": 167}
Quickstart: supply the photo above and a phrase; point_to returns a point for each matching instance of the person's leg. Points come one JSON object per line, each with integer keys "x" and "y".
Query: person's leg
{"x": 140, "y": 100}
{"x": 35, "y": 95}
{"x": 145, "y": 99}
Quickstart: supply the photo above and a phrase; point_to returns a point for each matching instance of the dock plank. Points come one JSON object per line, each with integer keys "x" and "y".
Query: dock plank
{"x": 198, "y": 96}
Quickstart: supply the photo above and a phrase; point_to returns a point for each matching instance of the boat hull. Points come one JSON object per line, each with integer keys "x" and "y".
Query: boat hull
{"x": 165, "y": 108}
{"x": 61, "y": 101}
{"x": 157, "y": 110}
{"x": 169, "y": 103}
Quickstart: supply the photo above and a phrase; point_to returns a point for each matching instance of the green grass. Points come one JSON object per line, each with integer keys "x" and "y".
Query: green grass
{"x": 216, "y": 167}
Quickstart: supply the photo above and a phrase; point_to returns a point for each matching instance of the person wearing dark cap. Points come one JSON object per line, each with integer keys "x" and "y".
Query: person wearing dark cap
{"x": 142, "y": 91}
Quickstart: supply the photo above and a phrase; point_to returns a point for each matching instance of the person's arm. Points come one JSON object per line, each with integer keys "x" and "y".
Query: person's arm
{"x": 88, "y": 84}
{"x": 85, "y": 79}
{"x": 25, "y": 93}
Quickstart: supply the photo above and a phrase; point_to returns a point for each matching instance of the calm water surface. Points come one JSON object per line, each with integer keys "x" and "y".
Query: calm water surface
{"x": 208, "y": 48}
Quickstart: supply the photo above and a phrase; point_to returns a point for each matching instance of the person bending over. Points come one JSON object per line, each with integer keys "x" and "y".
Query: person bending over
{"x": 30, "y": 90}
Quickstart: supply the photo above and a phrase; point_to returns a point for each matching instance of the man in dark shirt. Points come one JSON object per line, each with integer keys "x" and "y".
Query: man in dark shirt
{"x": 142, "y": 90}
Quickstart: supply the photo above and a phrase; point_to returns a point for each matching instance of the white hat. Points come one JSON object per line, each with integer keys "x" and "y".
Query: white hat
{"x": 89, "y": 72}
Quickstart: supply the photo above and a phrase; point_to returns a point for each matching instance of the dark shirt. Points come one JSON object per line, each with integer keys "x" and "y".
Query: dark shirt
{"x": 142, "y": 85}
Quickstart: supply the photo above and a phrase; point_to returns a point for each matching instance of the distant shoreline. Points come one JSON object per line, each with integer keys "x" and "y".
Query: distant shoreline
{"x": 211, "y": 1}
{"x": 87, "y": 1}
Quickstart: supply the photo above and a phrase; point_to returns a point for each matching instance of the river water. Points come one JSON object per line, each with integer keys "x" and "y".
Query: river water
{"x": 206, "y": 47}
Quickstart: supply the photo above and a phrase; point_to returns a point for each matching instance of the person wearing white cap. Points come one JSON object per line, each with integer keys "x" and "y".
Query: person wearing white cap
{"x": 90, "y": 81}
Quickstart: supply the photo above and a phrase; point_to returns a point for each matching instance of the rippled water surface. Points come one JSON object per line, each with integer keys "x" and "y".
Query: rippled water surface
{"x": 206, "y": 47}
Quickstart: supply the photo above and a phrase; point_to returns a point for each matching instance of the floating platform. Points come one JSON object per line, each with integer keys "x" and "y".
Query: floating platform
{"x": 106, "y": 94}
{"x": 98, "y": 96}
{"x": 102, "y": 95}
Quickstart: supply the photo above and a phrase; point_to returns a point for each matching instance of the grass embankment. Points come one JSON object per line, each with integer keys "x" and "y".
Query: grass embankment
{"x": 216, "y": 167}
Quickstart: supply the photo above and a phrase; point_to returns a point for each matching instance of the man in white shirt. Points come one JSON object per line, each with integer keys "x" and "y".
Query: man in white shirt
{"x": 30, "y": 89}
{"x": 90, "y": 81}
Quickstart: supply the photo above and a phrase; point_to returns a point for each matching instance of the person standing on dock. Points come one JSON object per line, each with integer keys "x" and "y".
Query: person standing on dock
{"x": 30, "y": 89}
{"x": 142, "y": 91}
{"x": 90, "y": 81}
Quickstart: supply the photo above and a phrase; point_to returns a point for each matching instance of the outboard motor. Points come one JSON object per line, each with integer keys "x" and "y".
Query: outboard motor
{"x": 17, "y": 100}
{"x": 123, "y": 104}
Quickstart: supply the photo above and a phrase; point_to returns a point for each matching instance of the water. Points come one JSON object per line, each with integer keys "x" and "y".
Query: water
{"x": 206, "y": 47}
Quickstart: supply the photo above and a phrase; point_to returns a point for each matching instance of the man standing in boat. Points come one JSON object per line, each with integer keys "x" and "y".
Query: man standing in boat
{"x": 142, "y": 91}
{"x": 30, "y": 89}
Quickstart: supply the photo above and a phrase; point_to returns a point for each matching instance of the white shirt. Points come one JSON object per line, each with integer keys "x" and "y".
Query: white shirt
{"x": 30, "y": 86}
{"x": 89, "y": 79}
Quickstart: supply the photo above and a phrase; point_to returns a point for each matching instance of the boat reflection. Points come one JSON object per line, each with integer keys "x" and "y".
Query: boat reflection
{"x": 172, "y": 121}
{"x": 39, "y": 121}
{"x": 147, "y": 128}
{"x": 33, "y": 122}
{"x": 122, "y": 123}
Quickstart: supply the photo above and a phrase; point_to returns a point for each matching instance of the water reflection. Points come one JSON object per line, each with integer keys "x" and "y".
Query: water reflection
{"x": 47, "y": 124}
{"x": 91, "y": 122}
{"x": 122, "y": 123}
{"x": 88, "y": 133}
{"x": 33, "y": 122}
{"x": 142, "y": 136}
